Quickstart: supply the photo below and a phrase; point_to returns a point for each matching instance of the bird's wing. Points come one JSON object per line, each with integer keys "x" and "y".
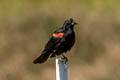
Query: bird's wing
{"x": 55, "y": 40}
{"x": 51, "y": 43}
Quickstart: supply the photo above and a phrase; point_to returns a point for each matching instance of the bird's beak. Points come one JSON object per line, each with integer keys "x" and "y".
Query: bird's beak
{"x": 75, "y": 23}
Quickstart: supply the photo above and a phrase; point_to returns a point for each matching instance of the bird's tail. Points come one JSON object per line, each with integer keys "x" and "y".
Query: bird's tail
{"x": 42, "y": 58}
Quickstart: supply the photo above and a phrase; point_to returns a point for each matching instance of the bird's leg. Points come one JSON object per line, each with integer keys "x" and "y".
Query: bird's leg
{"x": 66, "y": 59}
{"x": 55, "y": 55}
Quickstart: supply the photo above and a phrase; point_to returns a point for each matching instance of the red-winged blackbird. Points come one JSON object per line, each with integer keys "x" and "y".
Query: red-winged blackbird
{"x": 61, "y": 41}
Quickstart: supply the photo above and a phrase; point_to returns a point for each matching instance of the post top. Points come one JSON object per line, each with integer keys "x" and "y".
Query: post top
{"x": 61, "y": 60}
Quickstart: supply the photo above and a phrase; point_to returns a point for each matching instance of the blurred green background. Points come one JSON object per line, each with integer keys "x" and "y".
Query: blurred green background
{"x": 26, "y": 25}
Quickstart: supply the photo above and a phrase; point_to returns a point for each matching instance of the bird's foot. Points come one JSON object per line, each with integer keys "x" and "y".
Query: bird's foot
{"x": 65, "y": 58}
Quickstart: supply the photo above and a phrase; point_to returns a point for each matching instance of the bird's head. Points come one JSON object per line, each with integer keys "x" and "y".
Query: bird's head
{"x": 69, "y": 23}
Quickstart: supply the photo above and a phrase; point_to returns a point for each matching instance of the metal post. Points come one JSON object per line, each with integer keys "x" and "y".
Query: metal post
{"x": 61, "y": 69}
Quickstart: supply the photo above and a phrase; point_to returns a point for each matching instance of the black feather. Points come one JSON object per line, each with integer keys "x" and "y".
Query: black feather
{"x": 58, "y": 45}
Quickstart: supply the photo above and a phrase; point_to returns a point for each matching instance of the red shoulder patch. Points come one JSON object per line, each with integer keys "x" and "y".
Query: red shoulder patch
{"x": 60, "y": 35}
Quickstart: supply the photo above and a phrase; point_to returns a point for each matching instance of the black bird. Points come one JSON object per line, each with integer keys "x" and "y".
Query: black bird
{"x": 61, "y": 41}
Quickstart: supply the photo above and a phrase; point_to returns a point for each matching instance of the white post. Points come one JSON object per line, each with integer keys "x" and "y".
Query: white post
{"x": 61, "y": 69}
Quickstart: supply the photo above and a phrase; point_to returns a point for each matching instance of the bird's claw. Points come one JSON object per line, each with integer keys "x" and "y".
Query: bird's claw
{"x": 65, "y": 58}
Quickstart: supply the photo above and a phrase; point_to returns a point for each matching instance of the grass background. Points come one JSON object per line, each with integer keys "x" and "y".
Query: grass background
{"x": 26, "y": 25}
